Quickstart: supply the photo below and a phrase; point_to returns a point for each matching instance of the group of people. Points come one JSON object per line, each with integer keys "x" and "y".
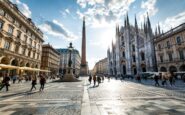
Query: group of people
{"x": 96, "y": 78}
{"x": 164, "y": 78}
{"x": 6, "y": 81}
{"x": 42, "y": 82}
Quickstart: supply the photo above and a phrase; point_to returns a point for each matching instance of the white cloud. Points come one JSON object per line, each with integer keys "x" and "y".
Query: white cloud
{"x": 149, "y": 7}
{"x": 101, "y": 13}
{"x": 57, "y": 29}
{"x": 67, "y": 11}
{"x": 173, "y": 21}
{"x": 23, "y": 8}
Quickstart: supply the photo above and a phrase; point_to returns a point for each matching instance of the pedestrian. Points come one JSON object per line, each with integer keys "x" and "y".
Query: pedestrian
{"x": 20, "y": 79}
{"x": 5, "y": 82}
{"x": 98, "y": 80}
{"x": 94, "y": 79}
{"x": 90, "y": 79}
{"x": 138, "y": 78}
{"x": 164, "y": 79}
{"x": 34, "y": 82}
{"x": 156, "y": 78}
{"x": 42, "y": 82}
{"x": 14, "y": 78}
{"x": 102, "y": 78}
{"x": 172, "y": 79}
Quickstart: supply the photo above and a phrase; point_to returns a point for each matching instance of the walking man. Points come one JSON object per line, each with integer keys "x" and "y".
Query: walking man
{"x": 156, "y": 78}
{"x": 94, "y": 79}
{"x": 90, "y": 79}
{"x": 5, "y": 82}
{"x": 98, "y": 80}
{"x": 34, "y": 82}
{"x": 42, "y": 82}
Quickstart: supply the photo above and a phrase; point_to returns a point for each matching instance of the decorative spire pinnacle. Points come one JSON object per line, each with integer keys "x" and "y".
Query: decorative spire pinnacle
{"x": 136, "y": 26}
{"x": 127, "y": 20}
{"x": 156, "y": 31}
{"x": 159, "y": 29}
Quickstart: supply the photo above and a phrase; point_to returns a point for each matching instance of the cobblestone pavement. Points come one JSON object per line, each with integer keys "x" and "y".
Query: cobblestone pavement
{"x": 109, "y": 98}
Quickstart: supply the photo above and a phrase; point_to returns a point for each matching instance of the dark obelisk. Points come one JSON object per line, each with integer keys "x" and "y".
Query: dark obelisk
{"x": 84, "y": 66}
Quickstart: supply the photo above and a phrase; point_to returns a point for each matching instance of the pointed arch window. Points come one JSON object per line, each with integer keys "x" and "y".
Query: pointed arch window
{"x": 142, "y": 56}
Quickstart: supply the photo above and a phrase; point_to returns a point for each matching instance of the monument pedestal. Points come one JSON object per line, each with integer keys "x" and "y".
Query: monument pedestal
{"x": 69, "y": 77}
{"x": 83, "y": 70}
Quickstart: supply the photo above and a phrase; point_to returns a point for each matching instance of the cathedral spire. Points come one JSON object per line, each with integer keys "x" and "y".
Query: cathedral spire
{"x": 125, "y": 22}
{"x": 156, "y": 31}
{"x": 136, "y": 26}
{"x": 148, "y": 23}
{"x": 128, "y": 20}
{"x": 159, "y": 29}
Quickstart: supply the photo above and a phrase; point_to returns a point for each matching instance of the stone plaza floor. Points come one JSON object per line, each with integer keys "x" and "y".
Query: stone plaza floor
{"x": 114, "y": 97}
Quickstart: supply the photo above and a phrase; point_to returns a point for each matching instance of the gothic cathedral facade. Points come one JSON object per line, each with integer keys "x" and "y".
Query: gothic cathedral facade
{"x": 133, "y": 51}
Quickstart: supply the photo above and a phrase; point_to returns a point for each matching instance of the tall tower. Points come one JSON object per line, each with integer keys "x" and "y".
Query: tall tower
{"x": 83, "y": 66}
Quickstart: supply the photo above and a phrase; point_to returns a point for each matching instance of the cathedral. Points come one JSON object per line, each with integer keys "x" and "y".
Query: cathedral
{"x": 133, "y": 51}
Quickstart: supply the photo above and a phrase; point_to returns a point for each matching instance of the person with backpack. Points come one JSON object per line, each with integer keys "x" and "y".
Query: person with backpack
{"x": 42, "y": 82}
{"x": 5, "y": 82}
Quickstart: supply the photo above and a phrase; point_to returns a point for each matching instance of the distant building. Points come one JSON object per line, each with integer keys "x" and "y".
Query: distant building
{"x": 50, "y": 59}
{"x": 20, "y": 40}
{"x": 170, "y": 49}
{"x": 64, "y": 57}
{"x": 101, "y": 67}
{"x": 133, "y": 51}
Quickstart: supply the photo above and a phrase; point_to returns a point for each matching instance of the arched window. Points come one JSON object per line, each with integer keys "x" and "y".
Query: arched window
{"x": 123, "y": 54}
{"x": 142, "y": 56}
{"x": 134, "y": 58}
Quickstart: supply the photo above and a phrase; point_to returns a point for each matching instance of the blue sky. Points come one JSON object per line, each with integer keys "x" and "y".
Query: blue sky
{"x": 61, "y": 20}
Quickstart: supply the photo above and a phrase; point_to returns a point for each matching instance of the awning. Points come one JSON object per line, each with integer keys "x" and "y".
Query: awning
{"x": 22, "y": 68}
{"x": 8, "y": 66}
{"x": 33, "y": 69}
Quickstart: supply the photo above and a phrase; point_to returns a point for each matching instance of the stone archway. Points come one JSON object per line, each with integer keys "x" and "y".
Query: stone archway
{"x": 172, "y": 69}
{"x": 182, "y": 68}
{"x": 163, "y": 69}
{"x": 28, "y": 64}
{"x": 124, "y": 69}
{"x": 14, "y": 62}
{"x": 36, "y": 66}
{"x": 5, "y": 60}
